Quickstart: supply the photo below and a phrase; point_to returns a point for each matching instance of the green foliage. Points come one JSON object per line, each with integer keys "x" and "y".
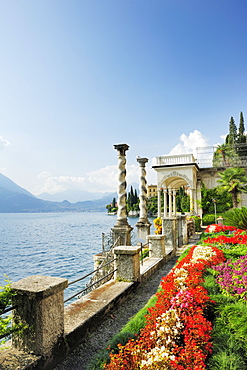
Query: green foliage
{"x": 232, "y": 136}
{"x": 233, "y": 180}
{"x": 229, "y": 334}
{"x": 236, "y": 217}
{"x": 223, "y": 155}
{"x": 197, "y": 220}
{"x": 144, "y": 254}
{"x": 235, "y": 252}
{"x": 152, "y": 205}
{"x": 182, "y": 200}
{"x": 132, "y": 201}
{"x": 112, "y": 207}
{"x": 208, "y": 219}
{"x": 6, "y": 295}
{"x": 241, "y": 130}
{"x": 222, "y": 197}
{"x": 234, "y": 147}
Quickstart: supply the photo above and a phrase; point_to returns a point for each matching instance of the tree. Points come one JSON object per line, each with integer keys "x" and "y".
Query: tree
{"x": 222, "y": 197}
{"x": 241, "y": 129}
{"x": 234, "y": 180}
{"x": 232, "y": 136}
{"x": 132, "y": 200}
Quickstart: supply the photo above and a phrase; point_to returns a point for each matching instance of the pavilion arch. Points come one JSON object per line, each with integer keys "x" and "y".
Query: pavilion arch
{"x": 172, "y": 173}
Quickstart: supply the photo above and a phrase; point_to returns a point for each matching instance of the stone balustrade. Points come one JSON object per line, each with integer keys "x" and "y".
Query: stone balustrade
{"x": 175, "y": 159}
{"x": 52, "y": 330}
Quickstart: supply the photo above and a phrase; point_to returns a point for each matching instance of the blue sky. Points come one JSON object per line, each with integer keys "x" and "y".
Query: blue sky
{"x": 77, "y": 77}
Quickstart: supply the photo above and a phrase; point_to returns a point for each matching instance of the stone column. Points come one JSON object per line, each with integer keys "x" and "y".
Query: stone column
{"x": 170, "y": 202}
{"x": 174, "y": 201}
{"x": 121, "y": 231}
{"x": 127, "y": 263}
{"x": 159, "y": 202}
{"x": 191, "y": 200}
{"x": 165, "y": 202}
{"x": 143, "y": 225}
{"x": 40, "y": 306}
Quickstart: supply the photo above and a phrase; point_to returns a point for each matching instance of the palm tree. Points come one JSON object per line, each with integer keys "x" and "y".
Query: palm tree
{"x": 234, "y": 180}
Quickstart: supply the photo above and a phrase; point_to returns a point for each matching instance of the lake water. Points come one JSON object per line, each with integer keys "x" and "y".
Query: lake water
{"x": 52, "y": 244}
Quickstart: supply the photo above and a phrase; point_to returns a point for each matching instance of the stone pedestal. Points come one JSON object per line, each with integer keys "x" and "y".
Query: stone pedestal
{"x": 127, "y": 263}
{"x": 121, "y": 235}
{"x": 40, "y": 306}
{"x": 143, "y": 229}
{"x": 157, "y": 246}
{"x": 169, "y": 228}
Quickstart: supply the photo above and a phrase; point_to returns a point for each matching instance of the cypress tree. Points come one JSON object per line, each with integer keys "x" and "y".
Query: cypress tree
{"x": 135, "y": 197}
{"x": 241, "y": 130}
{"x": 232, "y": 137}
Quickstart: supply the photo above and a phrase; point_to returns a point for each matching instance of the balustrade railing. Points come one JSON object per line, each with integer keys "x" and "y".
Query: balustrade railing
{"x": 94, "y": 282}
{"x": 175, "y": 159}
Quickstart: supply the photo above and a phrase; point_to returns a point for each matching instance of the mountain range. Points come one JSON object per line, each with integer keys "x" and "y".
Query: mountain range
{"x": 14, "y": 198}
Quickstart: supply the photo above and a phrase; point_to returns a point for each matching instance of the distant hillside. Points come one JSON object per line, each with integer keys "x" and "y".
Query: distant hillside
{"x": 14, "y": 199}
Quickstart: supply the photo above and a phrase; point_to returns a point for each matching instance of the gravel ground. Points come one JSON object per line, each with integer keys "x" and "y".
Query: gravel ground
{"x": 81, "y": 356}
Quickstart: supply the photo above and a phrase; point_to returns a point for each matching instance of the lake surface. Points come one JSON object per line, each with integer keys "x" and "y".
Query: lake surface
{"x": 52, "y": 244}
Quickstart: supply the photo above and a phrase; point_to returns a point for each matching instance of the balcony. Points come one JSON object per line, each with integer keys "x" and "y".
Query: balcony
{"x": 169, "y": 160}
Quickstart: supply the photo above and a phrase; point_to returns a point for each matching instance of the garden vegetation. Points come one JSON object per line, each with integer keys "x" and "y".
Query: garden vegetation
{"x": 198, "y": 319}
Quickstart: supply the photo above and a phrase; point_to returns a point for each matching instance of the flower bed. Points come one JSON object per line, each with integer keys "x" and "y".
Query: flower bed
{"x": 177, "y": 335}
{"x": 232, "y": 277}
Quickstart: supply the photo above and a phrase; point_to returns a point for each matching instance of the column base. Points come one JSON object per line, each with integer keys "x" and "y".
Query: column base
{"x": 122, "y": 234}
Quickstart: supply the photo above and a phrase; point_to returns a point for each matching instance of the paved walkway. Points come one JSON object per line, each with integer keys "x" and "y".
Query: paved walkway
{"x": 81, "y": 356}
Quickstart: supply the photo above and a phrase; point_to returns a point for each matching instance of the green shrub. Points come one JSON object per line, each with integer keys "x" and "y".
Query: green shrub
{"x": 236, "y": 217}
{"x": 229, "y": 317}
{"x": 208, "y": 219}
{"x": 197, "y": 220}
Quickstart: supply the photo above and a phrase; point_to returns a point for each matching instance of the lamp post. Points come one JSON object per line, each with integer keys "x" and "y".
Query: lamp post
{"x": 214, "y": 201}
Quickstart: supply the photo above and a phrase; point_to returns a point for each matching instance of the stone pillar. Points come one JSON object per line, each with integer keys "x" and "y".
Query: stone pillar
{"x": 121, "y": 231}
{"x": 159, "y": 202}
{"x": 156, "y": 246}
{"x": 170, "y": 202}
{"x": 143, "y": 225}
{"x": 184, "y": 229}
{"x": 169, "y": 228}
{"x": 165, "y": 202}
{"x": 40, "y": 306}
{"x": 191, "y": 200}
{"x": 127, "y": 263}
{"x": 198, "y": 198}
{"x": 174, "y": 202}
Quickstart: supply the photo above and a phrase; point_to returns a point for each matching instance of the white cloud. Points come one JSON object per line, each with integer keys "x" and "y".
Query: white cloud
{"x": 101, "y": 180}
{"x": 44, "y": 175}
{"x": 189, "y": 143}
{"x": 3, "y": 142}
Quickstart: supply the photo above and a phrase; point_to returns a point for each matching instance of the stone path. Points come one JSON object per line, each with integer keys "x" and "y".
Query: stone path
{"x": 117, "y": 318}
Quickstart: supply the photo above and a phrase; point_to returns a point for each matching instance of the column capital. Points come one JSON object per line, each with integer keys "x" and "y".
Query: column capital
{"x": 121, "y": 148}
{"x": 142, "y": 161}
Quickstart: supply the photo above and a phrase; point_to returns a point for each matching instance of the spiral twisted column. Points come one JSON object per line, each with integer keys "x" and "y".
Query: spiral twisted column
{"x": 143, "y": 188}
{"x": 143, "y": 225}
{"x": 122, "y": 211}
{"x": 121, "y": 231}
